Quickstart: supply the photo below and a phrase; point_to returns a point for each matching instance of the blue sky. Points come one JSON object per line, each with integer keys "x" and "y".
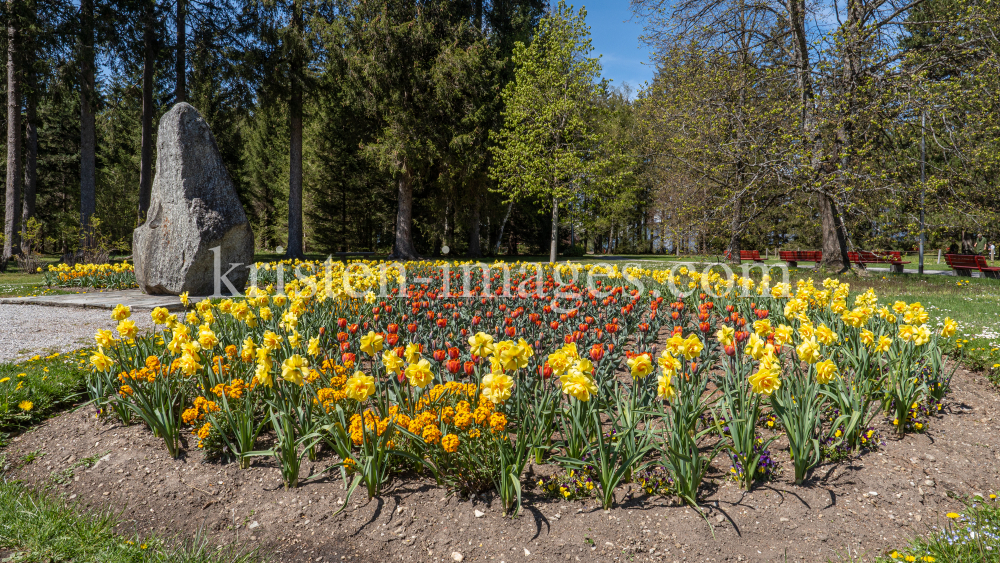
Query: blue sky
{"x": 615, "y": 36}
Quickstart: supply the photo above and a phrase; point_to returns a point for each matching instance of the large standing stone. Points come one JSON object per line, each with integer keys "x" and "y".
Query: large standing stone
{"x": 193, "y": 208}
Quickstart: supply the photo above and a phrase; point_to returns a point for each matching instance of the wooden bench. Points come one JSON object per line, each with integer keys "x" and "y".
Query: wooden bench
{"x": 964, "y": 264}
{"x": 793, "y": 257}
{"x": 747, "y": 255}
{"x": 863, "y": 258}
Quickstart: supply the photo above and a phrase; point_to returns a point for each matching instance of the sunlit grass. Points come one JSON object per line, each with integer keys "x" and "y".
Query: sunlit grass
{"x": 34, "y": 390}
{"x": 38, "y": 526}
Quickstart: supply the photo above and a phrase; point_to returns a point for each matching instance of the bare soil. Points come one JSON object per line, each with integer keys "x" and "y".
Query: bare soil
{"x": 859, "y": 507}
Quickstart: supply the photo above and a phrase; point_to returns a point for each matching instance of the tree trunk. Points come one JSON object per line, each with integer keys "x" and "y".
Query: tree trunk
{"x": 554, "y": 246}
{"x": 31, "y": 144}
{"x": 449, "y": 224}
{"x": 343, "y": 218}
{"x": 474, "y": 245}
{"x": 734, "y": 227}
{"x": 88, "y": 137}
{"x": 834, "y": 243}
{"x": 402, "y": 248}
{"x": 146, "y": 150}
{"x": 510, "y": 206}
{"x": 295, "y": 151}
{"x": 180, "y": 87}
{"x": 12, "y": 212}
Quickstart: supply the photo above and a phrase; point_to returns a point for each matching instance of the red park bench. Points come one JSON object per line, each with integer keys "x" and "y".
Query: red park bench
{"x": 793, "y": 257}
{"x": 964, "y": 264}
{"x": 747, "y": 255}
{"x": 863, "y": 258}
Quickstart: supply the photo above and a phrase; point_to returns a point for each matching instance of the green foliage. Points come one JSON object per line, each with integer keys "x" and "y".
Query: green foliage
{"x": 798, "y": 403}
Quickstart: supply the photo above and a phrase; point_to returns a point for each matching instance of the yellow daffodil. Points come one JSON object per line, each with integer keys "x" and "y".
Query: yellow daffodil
{"x": 371, "y": 343}
{"x": 725, "y": 335}
{"x": 295, "y": 369}
{"x": 496, "y": 386}
{"x": 100, "y": 361}
{"x": 826, "y": 371}
{"x": 392, "y": 362}
{"x": 949, "y": 328}
{"x": 640, "y": 365}
{"x": 121, "y": 312}
{"x": 664, "y": 388}
{"x": 578, "y": 385}
{"x": 160, "y": 315}
{"x": 808, "y": 351}
{"x": 482, "y": 344}
{"x": 360, "y": 386}
{"x": 419, "y": 374}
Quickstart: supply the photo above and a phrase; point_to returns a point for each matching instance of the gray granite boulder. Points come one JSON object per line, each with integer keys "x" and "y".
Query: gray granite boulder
{"x": 193, "y": 209}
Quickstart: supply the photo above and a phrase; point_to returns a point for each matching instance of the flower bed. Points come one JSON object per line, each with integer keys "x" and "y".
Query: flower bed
{"x": 99, "y": 276}
{"x": 608, "y": 380}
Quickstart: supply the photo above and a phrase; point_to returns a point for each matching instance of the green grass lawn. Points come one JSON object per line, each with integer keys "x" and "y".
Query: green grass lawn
{"x": 38, "y": 388}
{"x": 40, "y": 526}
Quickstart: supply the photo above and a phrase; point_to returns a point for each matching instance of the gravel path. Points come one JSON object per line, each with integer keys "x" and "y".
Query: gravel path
{"x": 26, "y": 330}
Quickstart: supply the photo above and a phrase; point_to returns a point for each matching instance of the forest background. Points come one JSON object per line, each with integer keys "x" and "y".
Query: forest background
{"x": 402, "y": 127}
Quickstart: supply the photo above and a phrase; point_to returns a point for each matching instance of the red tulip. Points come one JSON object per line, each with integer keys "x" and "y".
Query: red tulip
{"x": 341, "y": 323}
{"x": 596, "y": 352}
{"x": 453, "y": 366}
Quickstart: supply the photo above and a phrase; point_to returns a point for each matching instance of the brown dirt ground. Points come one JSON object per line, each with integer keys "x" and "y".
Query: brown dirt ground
{"x": 860, "y": 507}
